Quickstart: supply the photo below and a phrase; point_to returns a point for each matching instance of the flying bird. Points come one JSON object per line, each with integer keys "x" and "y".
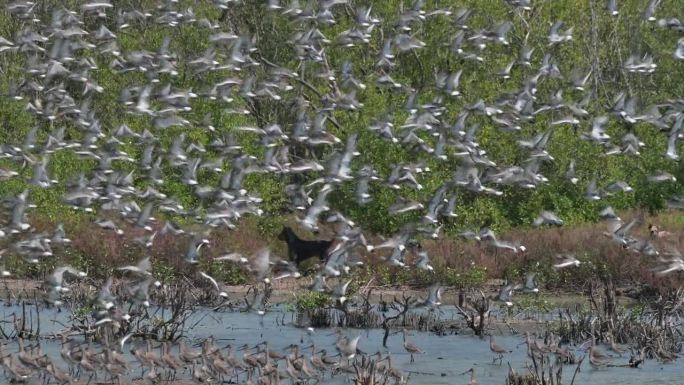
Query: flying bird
{"x": 565, "y": 260}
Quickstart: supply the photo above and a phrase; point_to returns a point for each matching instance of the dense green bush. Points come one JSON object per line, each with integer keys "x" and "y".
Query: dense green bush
{"x": 311, "y": 300}
{"x": 598, "y": 39}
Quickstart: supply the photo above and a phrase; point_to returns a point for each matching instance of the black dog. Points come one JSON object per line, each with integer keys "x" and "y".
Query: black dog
{"x": 299, "y": 250}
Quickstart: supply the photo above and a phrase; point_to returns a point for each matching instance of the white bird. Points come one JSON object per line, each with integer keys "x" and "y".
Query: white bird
{"x": 340, "y": 291}
{"x": 531, "y": 283}
{"x": 59, "y": 235}
{"x": 211, "y": 279}
{"x": 671, "y": 152}
{"x": 320, "y": 205}
{"x": 109, "y": 225}
{"x": 547, "y": 218}
{"x": 675, "y": 263}
{"x": 195, "y": 249}
{"x": 396, "y": 258}
{"x": 506, "y": 294}
{"x": 4, "y": 273}
{"x": 56, "y": 279}
{"x": 661, "y": 176}
{"x": 565, "y": 261}
{"x": 598, "y": 131}
{"x": 143, "y": 105}
{"x": 608, "y": 213}
{"x": 619, "y": 186}
{"x": 347, "y": 347}
{"x": 514, "y": 247}
{"x": 140, "y": 292}
{"x": 679, "y": 52}
{"x": 105, "y": 296}
{"x": 318, "y": 284}
{"x": 142, "y": 268}
{"x": 233, "y": 257}
{"x": 423, "y": 262}
{"x": 261, "y": 264}
{"x": 123, "y": 340}
{"x": 593, "y": 193}
{"x": 403, "y": 205}
{"x": 570, "y": 172}
{"x": 434, "y": 298}
{"x": 397, "y": 241}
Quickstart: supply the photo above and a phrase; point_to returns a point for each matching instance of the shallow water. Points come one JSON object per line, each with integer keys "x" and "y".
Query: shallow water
{"x": 445, "y": 358}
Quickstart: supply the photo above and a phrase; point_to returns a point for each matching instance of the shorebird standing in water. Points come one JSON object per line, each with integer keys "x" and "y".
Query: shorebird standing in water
{"x": 497, "y": 349}
{"x": 472, "y": 380}
{"x": 597, "y": 359}
{"x": 410, "y": 347}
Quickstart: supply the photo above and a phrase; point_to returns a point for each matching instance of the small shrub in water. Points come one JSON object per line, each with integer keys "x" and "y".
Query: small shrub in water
{"x": 311, "y": 301}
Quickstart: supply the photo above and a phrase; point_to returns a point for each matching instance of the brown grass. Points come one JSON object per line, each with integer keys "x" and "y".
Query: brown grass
{"x": 601, "y": 255}
{"x": 102, "y": 250}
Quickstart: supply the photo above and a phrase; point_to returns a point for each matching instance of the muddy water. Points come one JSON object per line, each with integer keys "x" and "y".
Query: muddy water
{"x": 444, "y": 360}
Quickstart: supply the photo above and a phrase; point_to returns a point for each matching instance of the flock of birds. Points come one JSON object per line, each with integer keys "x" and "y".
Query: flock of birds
{"x": 62, "y": 50}
{"x": 257, "y": 364}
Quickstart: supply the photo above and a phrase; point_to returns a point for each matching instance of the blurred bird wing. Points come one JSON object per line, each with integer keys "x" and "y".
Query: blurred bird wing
{"x": 145, "y": 264}
{"x": 233, "y": 257}
{"x": 211, "y": 279}
{"x": 262, "y": 261}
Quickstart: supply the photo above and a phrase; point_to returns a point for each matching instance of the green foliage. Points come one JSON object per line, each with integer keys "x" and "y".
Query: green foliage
{"x": 637, "y": 311}
{"x": 86, "y": 263}
{"x": 163, "y": 272}
{"x": 538, "y": 302}
{"x": 388, "y": 276}
{"x": 270, "y": 225}
{"x": 311, "y": 300}
{"x": 309, "y": 266}
{"x": 473, "y": 277}
{"x": 617, "y": 38}
{"x": 384, "y": 275}
{"x": 82, "y": 312}
{"x": 19, "y": 267}
{"x": 228, "y": 273}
